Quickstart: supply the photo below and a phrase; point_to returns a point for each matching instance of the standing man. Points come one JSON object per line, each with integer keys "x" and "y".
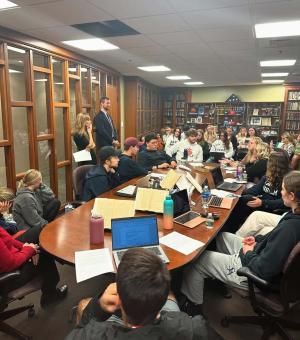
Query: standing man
{"x": 106, "y": 133}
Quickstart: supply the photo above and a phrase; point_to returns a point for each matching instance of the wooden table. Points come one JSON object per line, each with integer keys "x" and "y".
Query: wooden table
{"x": 70, "y": 232}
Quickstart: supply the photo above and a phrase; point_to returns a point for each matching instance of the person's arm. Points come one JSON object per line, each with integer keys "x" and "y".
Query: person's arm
{"x": 144, "y": 161}
{"x": 179, "y": 153}
{"x": 135, "y": 169}
{"x": 271, "y": 205}
{"x": 169, "y": 158}
{"x": 45, "y": 193}
{"x": 199, "y": 157}
{"x": 30, "y": 214}
{"x": 80, "y": 141}
{"x": 257, "y": 189}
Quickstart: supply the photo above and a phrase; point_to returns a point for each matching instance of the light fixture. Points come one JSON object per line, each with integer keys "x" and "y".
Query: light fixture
{"x": 5, "y": 4}
{"x": 83, "y": 69}
{"x": 275, "y": 63}
{"x": 13, "y": 71}
{"x": 178, "y": 77}
{"x": 59, "y": 83}
{"x": 278, "y": 74}
{"x": 194, "y": 83}
{"x": 15, "y": 49}
{"x": 277, "y": 29}
{"x": 72, "y": 69}
{"x": 272, "y": 81}
{"x": 42, "y": 79}
{"x": 94, "y": 44}
{"x": 158, "y": 68}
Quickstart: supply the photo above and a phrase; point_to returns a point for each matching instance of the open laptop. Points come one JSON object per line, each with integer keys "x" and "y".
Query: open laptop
{"x": 219, "y": 181}
{"x": 182, "y": 211}
{"x": 218, "y": 202}
{"x": 216, "y": 156}
{"x": 133, "y": 232}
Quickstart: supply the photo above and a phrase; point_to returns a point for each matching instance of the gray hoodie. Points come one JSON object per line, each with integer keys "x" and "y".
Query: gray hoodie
{"x": 28, "y": 207}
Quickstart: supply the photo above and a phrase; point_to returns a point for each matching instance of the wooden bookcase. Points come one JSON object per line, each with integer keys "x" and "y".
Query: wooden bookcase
{"x": 291, "y": 116}
{"x": 142, "y": 107}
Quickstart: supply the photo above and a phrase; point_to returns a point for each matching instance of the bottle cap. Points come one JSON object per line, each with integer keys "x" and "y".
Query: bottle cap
{"x": 168, "y": 197}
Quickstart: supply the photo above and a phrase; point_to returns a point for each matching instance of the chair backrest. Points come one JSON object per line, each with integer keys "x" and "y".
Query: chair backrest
{"x": 78, "y": 179}
{"x": 290, "y": 282}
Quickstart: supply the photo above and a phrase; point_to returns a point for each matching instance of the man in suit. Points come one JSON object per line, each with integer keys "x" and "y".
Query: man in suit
{"x": 106, "y": 133}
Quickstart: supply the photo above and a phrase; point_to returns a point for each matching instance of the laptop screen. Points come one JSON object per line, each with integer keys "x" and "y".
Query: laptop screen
{"x": 181, "y": 202}
{"x": 134, "y": 232}
{"x": 216, "y": 156}
{"x": 217, "y": 176}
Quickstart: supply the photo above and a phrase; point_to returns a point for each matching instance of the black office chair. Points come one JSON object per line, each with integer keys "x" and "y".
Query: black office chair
{"x": 272, "y": 305}
{"x": 16, "y": 294}
{"x": 79, "y": 174}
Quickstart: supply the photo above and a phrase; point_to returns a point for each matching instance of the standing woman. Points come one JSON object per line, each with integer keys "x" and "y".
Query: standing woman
{"x": 83, "y": 137}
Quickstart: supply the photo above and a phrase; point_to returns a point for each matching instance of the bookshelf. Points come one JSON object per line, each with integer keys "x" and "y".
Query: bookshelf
{"x": 292, "y": 109}
{"x": 265, "y": 118}
{"x": 229, "y": 115}
{"x": 200, "y": 115}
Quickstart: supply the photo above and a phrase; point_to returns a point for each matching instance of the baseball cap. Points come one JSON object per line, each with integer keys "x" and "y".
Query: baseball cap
{"x": 106, "y": 152}
{"x": 132, "y": 141}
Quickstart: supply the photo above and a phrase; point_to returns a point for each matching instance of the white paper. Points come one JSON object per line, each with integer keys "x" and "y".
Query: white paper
{"x": 223, "y": 193}
{"x": 184, "y": 183}
{"x": 181, "y": 243}
{"x": 129, "y": 190}
{"x": 234, "y": 180}
{"x": 91, "y": 263}
{"x": 82, "y": 156}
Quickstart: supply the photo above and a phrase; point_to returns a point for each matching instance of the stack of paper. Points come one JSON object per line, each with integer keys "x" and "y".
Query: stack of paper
{"x": 181, "y": 243}
{"x": 150, "y": 199}
{"x": 82, "y": 156}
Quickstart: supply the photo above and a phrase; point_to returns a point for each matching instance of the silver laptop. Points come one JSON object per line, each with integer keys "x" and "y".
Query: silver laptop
{"x": 133, "y": 232}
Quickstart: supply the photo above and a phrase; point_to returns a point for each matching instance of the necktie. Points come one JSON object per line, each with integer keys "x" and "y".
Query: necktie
{"x": 111, "y": 124}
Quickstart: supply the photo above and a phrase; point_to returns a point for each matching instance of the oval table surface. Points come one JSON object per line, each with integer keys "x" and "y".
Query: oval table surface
{"x": 70, "y": 232}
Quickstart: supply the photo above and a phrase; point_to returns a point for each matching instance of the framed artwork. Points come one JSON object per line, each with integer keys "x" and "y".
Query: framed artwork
{"x": 255, "y": 121}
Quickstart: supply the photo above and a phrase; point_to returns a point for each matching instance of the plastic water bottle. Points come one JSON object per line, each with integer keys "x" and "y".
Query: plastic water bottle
{"x": 168, "y": 212}
{"x": 209, "y": 223}
{"x": 96, "y": 228}
{"x": 68, "y": 207}
{"x": 205, "y": 198}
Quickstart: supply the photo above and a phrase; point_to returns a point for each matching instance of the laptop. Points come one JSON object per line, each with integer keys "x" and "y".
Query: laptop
{"x": 218, "y": 202}
{"x": 182, "y": 211}
{"x": 217, "y": 156}
{"x": 133, "y": 232}
{"x": 219, "y": 181}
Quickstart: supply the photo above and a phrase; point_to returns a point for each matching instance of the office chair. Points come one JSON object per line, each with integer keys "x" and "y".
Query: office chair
{"x": 16, "y": 294}
{"x": 79, "y": 174}
{"x": 272, "y": 305}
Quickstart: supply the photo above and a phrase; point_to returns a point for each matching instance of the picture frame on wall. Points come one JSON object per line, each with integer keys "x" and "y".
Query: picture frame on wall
{"x": 255, "y": 121}
{"x": 194, "y": 120}
{"x": 199, "y": 120}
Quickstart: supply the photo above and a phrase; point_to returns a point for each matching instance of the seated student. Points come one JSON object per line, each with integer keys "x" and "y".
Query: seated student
{"x": 172, "y": 140}
{"x": 288, "y": 143}
{"x": 265, "y": 195}
{"x": 203, "y": 143}
{"x": 167, "y": 134}
{"x": 232, "y": 138}
{"x": 296, "y": 157}
{"x": 30, "y": 261}
{"x": 210, "y": 135}
{"x": 102, "y": 177}
{"x": 222, "y": 145}
{"x": 264, "y": 255}
{"x": 189, "y": 149}
{"x": 35, "y": 204}
{"x": 127, "y": 167}
{"x": 151, "y": 158}
{"x": 6, "y": 198}
{"x": 141, "y": 296}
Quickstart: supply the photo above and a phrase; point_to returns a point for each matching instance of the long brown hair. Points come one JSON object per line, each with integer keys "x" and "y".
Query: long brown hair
{"x": 277, "y": 167}
{"x": 292, "y": 184}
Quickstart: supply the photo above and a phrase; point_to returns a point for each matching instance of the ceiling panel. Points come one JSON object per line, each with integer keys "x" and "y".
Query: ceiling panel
{"x": 131, "y": 41}
{"x": 32, "y": 2}
{"x": 175, "y": 37}
{"x": 192, "y": 5}
{"x": 222, "y": 34}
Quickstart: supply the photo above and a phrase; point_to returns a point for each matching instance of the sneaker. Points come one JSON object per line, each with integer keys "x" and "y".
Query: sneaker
{"x": 189, "y": 307}
{"x": 58, "y": 295}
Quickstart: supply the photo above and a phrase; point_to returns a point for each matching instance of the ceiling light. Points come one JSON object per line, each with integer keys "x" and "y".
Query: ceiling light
{"x": 270, "y": 63}
{"x": 95, "y": 44}
{"x": 272, "y": 81}
{"x": 278, "y": 74}
{"x": 194, "y": 83}
{"x": 158, "y": 68}
{"x": 277, "y": 29}
{"x": 5, "y": 4}
{"x": 13, "y": 71}
{"x": 15, "y": 49}
{"x": 178, "y": 77}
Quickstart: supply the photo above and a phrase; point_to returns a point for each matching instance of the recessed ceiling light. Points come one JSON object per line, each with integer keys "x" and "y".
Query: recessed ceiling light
{"x": 278, "y": 74}
{"x": 178, "y": 77}
{"x": 158, "y": 68}
{"x": 13, "y": 71}
{"x": 15, "y": 49}
{"x": 5, "y": 4}
{"x": 272, "y": 81}
{"x": 277, "y": 29}
{"x": 94, "y": 44}
{"x": 194, "y": 83}
{"x": 270, "y": 63}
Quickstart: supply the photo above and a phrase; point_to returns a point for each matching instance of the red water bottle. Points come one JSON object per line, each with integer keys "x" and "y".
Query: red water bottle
{"x": 96, "y": 228}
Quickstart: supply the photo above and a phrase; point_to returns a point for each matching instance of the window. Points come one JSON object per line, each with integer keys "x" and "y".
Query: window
{"x": 44, "y": 153}
{"x": 3, "y": 181}
{"x": 60, "y": 134}
{"x": 16, "y": 61}
{"x": 58, "y": 82}
{"x": 40, "y": 60}
{"x": 42, "y": 102}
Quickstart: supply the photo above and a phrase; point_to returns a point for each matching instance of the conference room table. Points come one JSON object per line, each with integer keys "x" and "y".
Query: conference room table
{"x": 70, "y": 232}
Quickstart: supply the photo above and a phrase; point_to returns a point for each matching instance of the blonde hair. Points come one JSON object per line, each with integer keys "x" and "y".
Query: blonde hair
{"x": 6, "y": 194}
{"x": 210, "y": 135}
{"x": 239, "y": 135}
{"x": 289, "y": 137}
{"x": 29, "y": 178}
{"x": 257, "y": 141}
{"x": 81, "y": 119}
{"x": 262, "y": 150}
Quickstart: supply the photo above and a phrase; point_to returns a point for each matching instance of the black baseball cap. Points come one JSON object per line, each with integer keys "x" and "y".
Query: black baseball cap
{"x": 107, "y": 152}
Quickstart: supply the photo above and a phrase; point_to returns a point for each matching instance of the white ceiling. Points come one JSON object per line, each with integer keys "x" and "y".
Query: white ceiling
{"x": 209, "y": 40}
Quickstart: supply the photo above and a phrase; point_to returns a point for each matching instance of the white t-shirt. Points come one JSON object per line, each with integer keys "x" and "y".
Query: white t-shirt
{"x": 171, "y": 140}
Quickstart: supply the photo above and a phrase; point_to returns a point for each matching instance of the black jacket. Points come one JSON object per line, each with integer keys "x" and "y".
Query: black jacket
{"x": 129, "y": 169}
{"x": 257, "y": 169}
{"x": 98, "y": 181}
{"x": 82, "y": 142}
{"x": 104, "y": 132}
{"x": 272, "y": 250}
{"x": 148, "y": 158}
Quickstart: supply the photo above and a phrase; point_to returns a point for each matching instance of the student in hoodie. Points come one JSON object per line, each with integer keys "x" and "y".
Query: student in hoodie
{"x": 152, "y": 158}
{"x": 128, "y": 168}
{"x": 6, "y": 198}
{"x": 189, "y": 149}
{"x": 264, "y": 255}
{"x": 138, "y": 306}
{"x": 102, "y": 177}
{"x": 35, "y": 204}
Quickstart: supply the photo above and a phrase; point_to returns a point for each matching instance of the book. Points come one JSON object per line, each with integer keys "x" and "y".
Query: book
{"x": 170, "y": 180}
{"x": 148, "y": 199}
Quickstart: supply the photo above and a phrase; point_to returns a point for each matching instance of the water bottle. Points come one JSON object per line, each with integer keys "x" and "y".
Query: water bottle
{"x": 168, "y": 212}
{"x": 239, "y": 173}
{"x": 96, "y": 228}
{"x": 205, "y": 198}
{"x": 209, "y": 223}
{"x": 68, "y": 207}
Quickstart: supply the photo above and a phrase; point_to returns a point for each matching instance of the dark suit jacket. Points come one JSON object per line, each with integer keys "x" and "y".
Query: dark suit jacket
{"x": 103, "y": 130}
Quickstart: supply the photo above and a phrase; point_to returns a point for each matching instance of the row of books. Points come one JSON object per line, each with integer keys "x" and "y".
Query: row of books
{"x": 268, "y": 111}
{"x": 293, "y": 115}
{"x": 294, "y": 106}
{"x": 294, "y": 95}
{"x": 292, "y": 125}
